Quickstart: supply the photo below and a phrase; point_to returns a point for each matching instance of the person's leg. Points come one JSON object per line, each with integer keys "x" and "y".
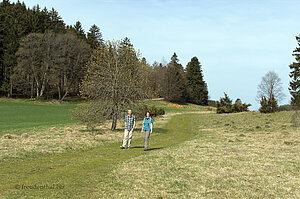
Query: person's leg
{"x": 148, "y": 135}
{"x": 130, "y": 137}
{"x": 146, "y": 139}
{"x": 125, "y": 138}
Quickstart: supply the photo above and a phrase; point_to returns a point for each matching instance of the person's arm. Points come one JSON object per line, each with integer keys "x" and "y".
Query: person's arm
{"x": 134, "y": 123}
{"x": 142, "y": 127}
{"x": 151, "y": 125}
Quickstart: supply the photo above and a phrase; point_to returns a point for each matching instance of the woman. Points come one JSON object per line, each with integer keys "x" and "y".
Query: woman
{"x": 147, "y": 129}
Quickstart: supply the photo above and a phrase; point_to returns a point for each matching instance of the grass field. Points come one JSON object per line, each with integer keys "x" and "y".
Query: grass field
{"x": 17, "y": 116}
{"x": 194, "y": 154}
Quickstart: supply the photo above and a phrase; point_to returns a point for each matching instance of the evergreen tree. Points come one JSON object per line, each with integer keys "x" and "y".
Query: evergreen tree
{"x": 56, "y": 23}
{"x": 295, "y": 76}
{"x": 126, "y": 41}
{"x": 175, "y": 81}
{"x": 94, "y": 37}
{"x": 225, "y": 105}
{"x": 79, "y": 30}
{"x": 196, "y": 86}
{"x": 13, "y": 26}
{"x": 268, "y": 105}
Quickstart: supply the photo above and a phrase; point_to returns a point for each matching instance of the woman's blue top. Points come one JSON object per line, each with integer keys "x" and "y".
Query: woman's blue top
{"x": 147, "y": 121}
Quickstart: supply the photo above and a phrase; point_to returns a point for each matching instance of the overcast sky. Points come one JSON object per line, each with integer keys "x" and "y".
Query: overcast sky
{"x": 236, "y": 41}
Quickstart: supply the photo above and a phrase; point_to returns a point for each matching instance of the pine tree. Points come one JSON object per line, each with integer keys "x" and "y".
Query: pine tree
{"x": 225, "y": 105}
{"x": 126, "y": 41}
{"x": 268, "y": 105}
{"x": 196, "y": 86}
{"x": 94, "y": 37}
{"x": 56, "y": 23}
{"x": 295, "y": 75}
{"x": 79, "y": 30}
{"x": 175, "y": 81}
{"x": 14, "y": 26}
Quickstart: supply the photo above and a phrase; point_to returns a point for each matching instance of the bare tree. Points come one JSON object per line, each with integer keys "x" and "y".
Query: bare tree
{"x": 114, "y": 78}
{"x": 34, "y": 63}
{"x": 73, "y": 53}
{"x": 269, "y": 86}
{"x": 50, "y": 61}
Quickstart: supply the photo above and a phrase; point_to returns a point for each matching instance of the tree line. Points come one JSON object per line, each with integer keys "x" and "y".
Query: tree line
{"x": 42, "y": 57}
{"x": 21, "y": 27}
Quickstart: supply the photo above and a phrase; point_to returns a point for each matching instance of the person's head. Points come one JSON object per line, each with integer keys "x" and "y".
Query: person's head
{"x": 129, "y": 112}
{"x": 147, "y": 114}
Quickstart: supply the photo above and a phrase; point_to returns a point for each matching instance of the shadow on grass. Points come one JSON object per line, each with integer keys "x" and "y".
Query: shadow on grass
{"x": 150, "y": 149}
{"x": 137, "y": 147}
{"x": 160, "y": 130}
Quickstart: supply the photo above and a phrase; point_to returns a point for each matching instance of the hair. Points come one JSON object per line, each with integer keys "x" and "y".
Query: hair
{"x": 146, "y": 114}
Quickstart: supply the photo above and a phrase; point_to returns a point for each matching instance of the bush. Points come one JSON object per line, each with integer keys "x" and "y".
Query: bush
{"x": 91, "y": 114}
{"x": 268, "y": 105}
{"x": 225, "y": 105}
{"x": 141, "y": 110}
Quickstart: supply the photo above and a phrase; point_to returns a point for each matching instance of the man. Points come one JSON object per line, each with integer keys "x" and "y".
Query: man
{"x": 129, "y": 124}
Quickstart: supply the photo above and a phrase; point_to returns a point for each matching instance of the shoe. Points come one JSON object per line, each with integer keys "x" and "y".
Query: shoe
{"x": 122, "y": 147}
{"x": 145, "y": 149}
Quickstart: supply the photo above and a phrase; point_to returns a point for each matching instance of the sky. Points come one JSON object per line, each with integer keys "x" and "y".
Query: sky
{"x": 236, "y": 41}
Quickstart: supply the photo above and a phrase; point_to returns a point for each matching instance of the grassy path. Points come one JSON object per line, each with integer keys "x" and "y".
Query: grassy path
{"x": 76, "y": 174}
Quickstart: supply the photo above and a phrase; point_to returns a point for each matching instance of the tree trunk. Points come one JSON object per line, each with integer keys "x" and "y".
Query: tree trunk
{"x": 10, "y": 90}
{"x": 59, "y": 90}
{"x": 114, "y": 122}
{"x": 66, "y": 93}
{"x": 32, "y": 89}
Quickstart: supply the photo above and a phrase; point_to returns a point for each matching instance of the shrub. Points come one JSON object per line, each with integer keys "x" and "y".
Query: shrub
{"x": 140, "y": 111}
{"x": 225, "y": 105}
{"x": 91, "y": 114}
{"x": 268, "y": 105}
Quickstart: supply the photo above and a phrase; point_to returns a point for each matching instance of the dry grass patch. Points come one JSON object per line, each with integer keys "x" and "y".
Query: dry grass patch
{"x": 62, "y": 138}
{"x": 244, "y": 155}
{"x": 53, "y": 140}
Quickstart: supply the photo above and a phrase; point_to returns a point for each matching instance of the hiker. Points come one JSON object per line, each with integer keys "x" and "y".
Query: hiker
{"x": 129, "y": 123}
{"x": 147, "y": 130}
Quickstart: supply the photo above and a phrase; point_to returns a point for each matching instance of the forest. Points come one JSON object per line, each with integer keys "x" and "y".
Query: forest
{"x": 43, "y": 58}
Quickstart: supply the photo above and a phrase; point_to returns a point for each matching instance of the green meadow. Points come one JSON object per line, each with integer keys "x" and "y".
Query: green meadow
{"x": 15, "y": 116}
{"x": 194, "y": 153}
